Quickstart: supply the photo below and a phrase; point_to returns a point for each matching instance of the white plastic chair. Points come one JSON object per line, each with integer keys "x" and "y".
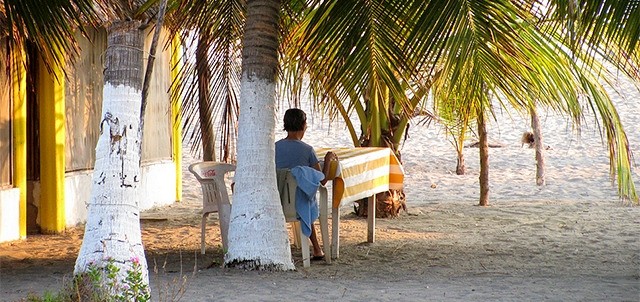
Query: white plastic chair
{"x": 287, "y": 188}
{"x": 215, "y": 197}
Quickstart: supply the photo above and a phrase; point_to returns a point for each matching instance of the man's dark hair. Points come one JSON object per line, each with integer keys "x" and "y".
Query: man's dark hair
{"x": 294, "y": 119}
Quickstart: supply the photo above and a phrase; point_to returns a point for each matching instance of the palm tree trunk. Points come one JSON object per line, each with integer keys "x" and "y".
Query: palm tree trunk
{"x": 112, "y": 230}
{"x": 258, "y": 238}
{"x": 206, "y": 120}
{"x": 484, "y": 159}
{"x": 537, "y": 138}
{"x": 461, "y": 168}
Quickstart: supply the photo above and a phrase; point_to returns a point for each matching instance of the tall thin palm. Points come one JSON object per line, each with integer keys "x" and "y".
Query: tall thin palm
{"x": 210, "y": 99}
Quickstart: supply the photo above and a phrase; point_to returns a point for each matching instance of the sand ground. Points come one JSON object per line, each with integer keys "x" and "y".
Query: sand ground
{"x": 529, "y": 251}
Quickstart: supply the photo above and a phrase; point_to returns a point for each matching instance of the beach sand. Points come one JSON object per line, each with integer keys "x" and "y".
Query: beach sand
{"x": 571, "y": 240}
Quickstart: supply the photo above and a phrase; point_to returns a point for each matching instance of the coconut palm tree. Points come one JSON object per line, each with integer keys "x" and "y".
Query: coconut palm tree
{"x": 258, "y": 237}
{"x": 112, "y": 234}
{"x": 113, "y": 228}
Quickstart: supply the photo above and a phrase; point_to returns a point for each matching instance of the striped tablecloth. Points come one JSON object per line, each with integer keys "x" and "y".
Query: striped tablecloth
{"x": 362, "y": 172}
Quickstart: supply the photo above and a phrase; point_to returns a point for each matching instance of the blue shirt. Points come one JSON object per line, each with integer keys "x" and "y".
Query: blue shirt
{"x": 291, "y": 153}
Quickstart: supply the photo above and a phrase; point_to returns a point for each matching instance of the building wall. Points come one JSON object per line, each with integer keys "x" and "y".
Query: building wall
{"x": 160, "y": 179}
{"x": 9, "y": 214}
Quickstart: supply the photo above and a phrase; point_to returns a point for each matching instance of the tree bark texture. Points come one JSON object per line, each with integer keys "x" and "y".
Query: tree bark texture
{"x": 204, "y": 100}
{"x": 112, "y": 231}
{"x": 483, "y": 148}
{"x": 461, "y": 168}
{"x": 258, "y": 238}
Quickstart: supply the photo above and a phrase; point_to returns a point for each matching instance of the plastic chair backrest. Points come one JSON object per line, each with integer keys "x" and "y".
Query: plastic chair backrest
{"x": 211, "y": 178}
{"x": 287, "y": 188}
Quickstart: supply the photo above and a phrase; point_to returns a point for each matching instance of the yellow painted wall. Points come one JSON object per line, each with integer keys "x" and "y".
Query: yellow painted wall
{"x": 19, "y": 78}
{"x": 51, "y": 98}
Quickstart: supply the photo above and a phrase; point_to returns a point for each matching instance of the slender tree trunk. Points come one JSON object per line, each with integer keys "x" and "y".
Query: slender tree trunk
{"x": 112, "y": 231}
{"x": 484, "y": 159}
{"x": 258, "y": 238}
{"x": 537, "y": 137}
{"x": 461, "y": 168}
{"x": 204, "y": 100}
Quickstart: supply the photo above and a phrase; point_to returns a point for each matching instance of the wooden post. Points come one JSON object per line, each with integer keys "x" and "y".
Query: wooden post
{"x": 176, "y": 66}
{"x": 371, "y": 218}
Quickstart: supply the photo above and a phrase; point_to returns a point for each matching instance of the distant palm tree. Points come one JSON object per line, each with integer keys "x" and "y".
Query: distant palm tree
{"x": 497, "y": 47}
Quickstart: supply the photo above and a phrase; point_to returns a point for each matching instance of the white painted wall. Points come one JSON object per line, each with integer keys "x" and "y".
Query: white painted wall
{"x": 77, "y": 189}
{"x": 157, "y": 188}
{"x": 9, "y": 214}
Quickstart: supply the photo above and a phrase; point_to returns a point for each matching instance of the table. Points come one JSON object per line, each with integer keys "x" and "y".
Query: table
{"x": 359, "y": 173}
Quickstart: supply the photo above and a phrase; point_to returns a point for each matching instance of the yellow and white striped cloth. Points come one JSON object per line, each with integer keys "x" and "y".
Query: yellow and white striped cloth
{"x": 362, "y": 172}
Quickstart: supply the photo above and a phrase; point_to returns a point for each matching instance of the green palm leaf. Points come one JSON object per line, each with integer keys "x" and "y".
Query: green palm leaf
{"x": 49, "y": 24}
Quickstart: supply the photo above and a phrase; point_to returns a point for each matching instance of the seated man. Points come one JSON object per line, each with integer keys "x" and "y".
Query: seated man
{"x": 291, "y": 151}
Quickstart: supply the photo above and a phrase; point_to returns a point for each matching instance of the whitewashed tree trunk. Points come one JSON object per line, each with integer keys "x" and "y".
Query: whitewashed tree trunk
{"x": 112, "y": 231}
{"x": 258, "y": 238}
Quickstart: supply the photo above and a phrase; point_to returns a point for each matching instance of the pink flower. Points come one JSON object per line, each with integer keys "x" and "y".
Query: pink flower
{"x": 135, "y": 260}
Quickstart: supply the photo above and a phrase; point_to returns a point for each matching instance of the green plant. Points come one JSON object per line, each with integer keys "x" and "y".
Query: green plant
{"x": 100, "y": 284}
{"x": 132, "y": 288}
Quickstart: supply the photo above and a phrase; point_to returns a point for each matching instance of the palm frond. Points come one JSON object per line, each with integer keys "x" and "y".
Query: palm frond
{"x": 49, "y": 24}
{"x": 218, "y": 27}
{"x": 491, "y": 46}
{"x": 352, "y": 52}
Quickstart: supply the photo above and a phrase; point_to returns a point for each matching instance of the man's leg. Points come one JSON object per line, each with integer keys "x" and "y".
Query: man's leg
{"x": 317, "y": 251}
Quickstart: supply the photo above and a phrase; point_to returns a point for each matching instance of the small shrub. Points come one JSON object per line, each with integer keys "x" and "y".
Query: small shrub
{"x": 100, "y": 284}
